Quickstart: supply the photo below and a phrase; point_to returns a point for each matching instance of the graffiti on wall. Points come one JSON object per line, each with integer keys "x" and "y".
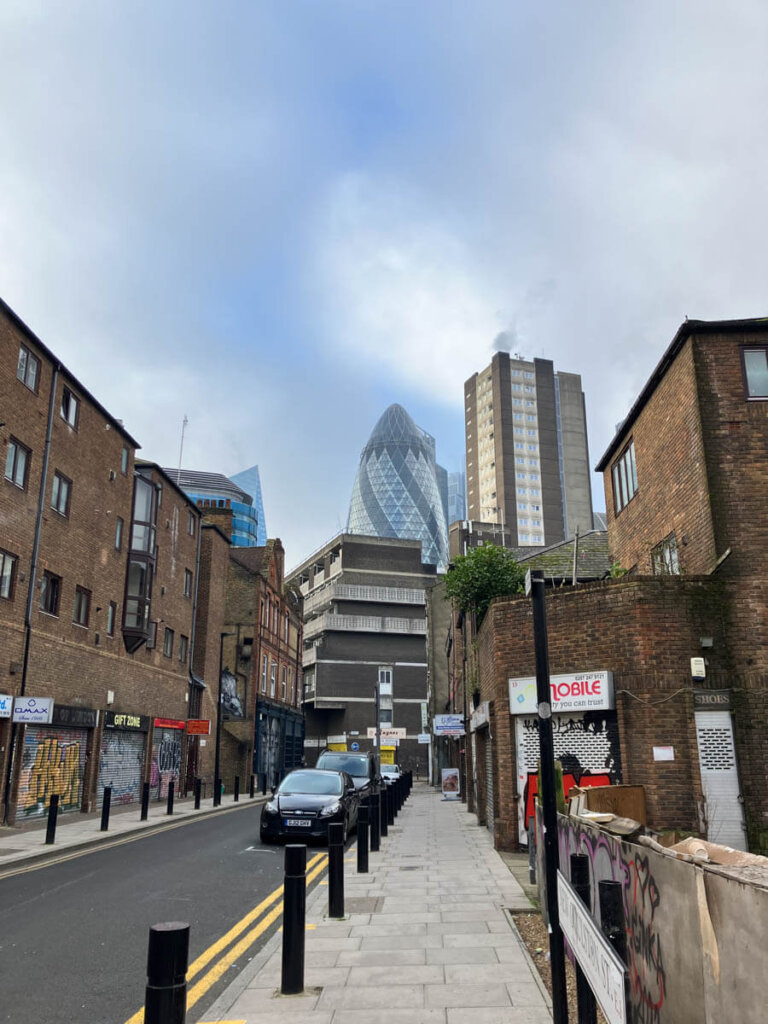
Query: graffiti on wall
{"x": 166, "y": 761}
{"x": 53, "y": 761}
{"x": 613, "y": 860}
{"x": 121, "y": 763}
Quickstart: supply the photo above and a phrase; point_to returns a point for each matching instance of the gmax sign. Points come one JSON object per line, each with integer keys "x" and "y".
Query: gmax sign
{"x": 582, "y": 691}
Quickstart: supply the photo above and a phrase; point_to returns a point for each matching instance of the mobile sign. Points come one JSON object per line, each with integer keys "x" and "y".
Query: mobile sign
{"x": 581, "y": 691}
{"x": 448, "y": 725}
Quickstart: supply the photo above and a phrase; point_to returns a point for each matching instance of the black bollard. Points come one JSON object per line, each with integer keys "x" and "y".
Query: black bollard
{"x": 612, "y": 916}
{"x": 53, "y": 813}
{"x": 585, "y": 1000}
{"x": 237, "y": 788}
{"x": 362, "y": 839}
{"x": 390, "y": 806}
{"x": 383, "y": 810}
{"x": 374, "y": 813}
{"x": 336, "y": 870}
{"x": 165, "y": 1000}
{"x": 169, "y": 808}
{"x": 294, "y": 913}
{"x": 263, "y": 783}
{"x": 144, "y": 802}
{"x": 198, "y": 788}
{"x": 106, "y": 802}
{"x": 252, "y": 792}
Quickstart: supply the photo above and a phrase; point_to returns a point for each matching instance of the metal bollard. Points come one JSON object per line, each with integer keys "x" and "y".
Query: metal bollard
{"x": 374, "y": 816}
{"x": 362, "y": 839}
{"x": 336, "y": 870}
{"x": 612, "y": 916}
{"x": 263, "y": 783}
{"x": 294, "y": 914}
{"x": 53, "y": 813}
{"x": 585, "y": 1000}
{"x": 171, "y": 786}
{"x": 237, "y": 788}
{"x": 383, "y": 812}
{"x": 106, "y": 803}
{"x": 198, "y": 788}
{"x": 144, "y": 802}
{"x": 391, "y": 810}
{"x": 165, "y": 1000}
{"x": 252, "y": 791}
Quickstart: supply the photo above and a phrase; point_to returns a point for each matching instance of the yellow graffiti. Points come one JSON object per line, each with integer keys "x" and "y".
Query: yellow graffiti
{"x": 56, "y": 769}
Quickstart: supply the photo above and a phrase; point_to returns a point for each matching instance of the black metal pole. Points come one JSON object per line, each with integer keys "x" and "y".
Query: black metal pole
{"x": 548, "y": 801}
{"x": 362, "y": 839}
{"x": 614, "y": 928}
{"x": 585, "y": 1000}
{"x": 263, "y": 783}
{"x": 144, "y": 802}
{"x": 336, "y": 870}
{"x": 217, "y": 755}
{"x": 252, "y": 790}
{"x": 237, "y": 788}
{"x": 383, "y": 811}
{"x": 165, "y": 1000}
{"x": 391, "y": 810}
{"x": 171, "y": 788}
{"x": 375, "y": 822}
{"x": 294, "y": 913}
{"x": 198, "y": 787}
{"x": 106, "y": 802}
{"x": 53, "y": 812}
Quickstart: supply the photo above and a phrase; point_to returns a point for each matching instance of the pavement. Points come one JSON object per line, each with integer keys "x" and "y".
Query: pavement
{"x": 427, "y": 937}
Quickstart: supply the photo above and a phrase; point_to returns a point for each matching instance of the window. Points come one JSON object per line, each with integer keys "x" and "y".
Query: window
{"x": 293, "y": 686}
{"x": 190, "y": 523}
{"x": 82, "y": 611}
{"x": 17, "y": 463}
{"x": 664, "y": 557}
{"x": 385, "y": 676}
{"x": 118, "y": 533}
{"x": 151, "y": 635}
{"x": 385, "y": 718}
{"x": 168, "y": 643}
{"x": 273, "y": 679}
{"x": 60, "y": 494}
{"x": 159, "y": 489}
{"x": 283, "y": 682}
{"x": 624, "y": 476}
{"x": 528, "y": 376}
{"x": 28, "y": 368}
{"x": 124, "y": 461}
{"x": 756, "y": 371}
{"x": 187, "y": 583}
{"x": 50, "y": 592}
{"x": 183, "y": 648}
{"x": 111, "y": 616}
{"x": 70, "y": 408}
{"x": 266, "y": 612}
{"x": 7, "y": 575}
{"x": 287, "y": 627}
{"x": 264, "y": 673}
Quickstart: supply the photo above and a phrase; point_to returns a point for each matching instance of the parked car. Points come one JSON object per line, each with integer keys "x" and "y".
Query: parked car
{"x": 306, "y": 802}
{"x": 390, "y": 773}
{"x": 362, "y": 766}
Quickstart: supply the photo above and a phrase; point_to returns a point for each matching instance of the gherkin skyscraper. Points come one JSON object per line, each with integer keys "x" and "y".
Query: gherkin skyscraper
{"x": 396, "y": 492}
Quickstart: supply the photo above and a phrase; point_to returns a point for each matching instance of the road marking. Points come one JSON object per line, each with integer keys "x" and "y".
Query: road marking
{"x": 317, "y": 864}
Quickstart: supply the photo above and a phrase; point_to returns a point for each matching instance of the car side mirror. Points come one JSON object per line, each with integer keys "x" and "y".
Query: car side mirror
{"x": 351, "y": 789}
{"x": 273, "y": 790}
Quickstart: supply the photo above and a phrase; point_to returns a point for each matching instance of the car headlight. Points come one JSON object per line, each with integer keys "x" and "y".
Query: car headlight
{"x": 330, "y": 809}
{"x": 270, "y": 807}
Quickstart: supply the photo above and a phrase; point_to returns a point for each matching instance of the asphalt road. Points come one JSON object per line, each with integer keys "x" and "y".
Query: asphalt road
{"x": 73, "y": 936}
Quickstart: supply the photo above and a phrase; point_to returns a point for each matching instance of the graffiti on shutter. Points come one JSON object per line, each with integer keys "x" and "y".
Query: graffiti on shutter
{"x": 166, "y": 761}
{"x": 53, "y": 761}
{"x": 121, "y": 765}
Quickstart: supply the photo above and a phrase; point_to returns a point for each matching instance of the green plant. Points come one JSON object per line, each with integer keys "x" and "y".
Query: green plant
{"x": 476, "y": 578}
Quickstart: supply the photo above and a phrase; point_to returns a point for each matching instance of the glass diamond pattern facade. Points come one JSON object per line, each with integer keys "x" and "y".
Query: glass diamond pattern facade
{"x": 396, "y": 492}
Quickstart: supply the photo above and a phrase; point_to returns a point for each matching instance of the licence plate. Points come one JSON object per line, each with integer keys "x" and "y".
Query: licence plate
{"x": 298, "y": 822}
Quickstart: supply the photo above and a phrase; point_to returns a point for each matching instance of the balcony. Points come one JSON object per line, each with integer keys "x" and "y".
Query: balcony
{"x": 363, "y": 624}
{"x": 353, "y": 592}
{"x": 309, "y": 657}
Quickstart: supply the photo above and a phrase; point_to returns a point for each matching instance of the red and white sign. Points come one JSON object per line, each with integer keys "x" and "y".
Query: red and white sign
{"x": 581, "y": 691}
{"x": 169, "y": 723}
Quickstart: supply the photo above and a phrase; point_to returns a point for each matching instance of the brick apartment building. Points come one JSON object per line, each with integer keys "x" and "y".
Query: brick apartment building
{"x": 99, "y": 556}
{"x": 685, "y": 480}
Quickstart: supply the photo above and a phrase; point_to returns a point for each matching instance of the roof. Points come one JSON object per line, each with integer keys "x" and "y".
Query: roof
{"x": 254, "y": 559}
{"x": 113, "y": 421}
{"x": 147, "y": 464}
{"x": 197, "y": 482}
{"x": 556, "y": 562}
{"x": 686, "y": 329}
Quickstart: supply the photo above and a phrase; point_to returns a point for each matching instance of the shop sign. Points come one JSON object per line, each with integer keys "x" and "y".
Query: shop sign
{"x": 199, "y": 727}
{"x": 6, "y": 705}
{"x": 388, "y": 733}
{"x": 118, "y": 720}
{"x": 424, "y": 737}
{"x": 712, "y": 700}
{"x": 480, "y": 716}
{"x": 169, "y": 723}
{"x": 337, "y": 746}
{"x": 387, "y": 755}
{"x": 448, "y": 725}
{"x": 33, "y": 710}
{"x": 450, "y": 783}
{"x": 77, "y": 718}
{"x": 580, "y": 691}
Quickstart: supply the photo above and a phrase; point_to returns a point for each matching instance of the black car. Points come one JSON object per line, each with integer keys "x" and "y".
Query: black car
{"x": 361, "y": 766}
{"x": 306, "y": 802}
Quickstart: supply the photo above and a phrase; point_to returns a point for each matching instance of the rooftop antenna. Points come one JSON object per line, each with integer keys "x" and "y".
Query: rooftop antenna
{"x": 184, "y": 423}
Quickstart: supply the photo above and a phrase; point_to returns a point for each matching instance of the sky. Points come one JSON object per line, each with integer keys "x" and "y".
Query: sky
{"x": 277, "y": 218}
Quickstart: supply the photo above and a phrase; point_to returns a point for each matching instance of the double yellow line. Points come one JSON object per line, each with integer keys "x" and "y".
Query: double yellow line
{"x": 315, "y": 867}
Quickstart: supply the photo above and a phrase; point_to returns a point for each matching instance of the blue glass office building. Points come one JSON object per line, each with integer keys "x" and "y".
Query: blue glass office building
{"x": 218, "y": 491}
{"x": 396, "y": 491}
{"x": 250, "y": 481}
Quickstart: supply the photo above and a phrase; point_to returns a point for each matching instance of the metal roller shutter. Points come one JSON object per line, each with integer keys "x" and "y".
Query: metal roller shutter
{"x": 166, "y": 761}
{"x": 121, "y": 766}
{"x": 53, "y": 761}
{"x": 720, "y": 779}
{"x": 489, "y": 780}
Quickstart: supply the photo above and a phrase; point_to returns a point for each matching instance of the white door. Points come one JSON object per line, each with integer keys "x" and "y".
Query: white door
{"x": 720, "y": 779}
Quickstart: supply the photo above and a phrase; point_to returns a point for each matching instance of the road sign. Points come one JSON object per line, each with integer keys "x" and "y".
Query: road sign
{"x": 354, "y": 746}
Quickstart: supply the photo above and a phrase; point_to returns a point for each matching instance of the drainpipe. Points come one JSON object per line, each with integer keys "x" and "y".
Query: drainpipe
{"x": 31, "y": 581}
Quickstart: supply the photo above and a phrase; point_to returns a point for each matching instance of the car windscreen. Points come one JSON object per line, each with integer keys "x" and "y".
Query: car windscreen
{"x": 316, "y": 783}
{"x": 344, "y": 763}
{"x": 390, "y": 769}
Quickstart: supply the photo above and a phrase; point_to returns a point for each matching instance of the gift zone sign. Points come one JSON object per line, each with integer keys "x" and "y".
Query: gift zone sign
{"x": 581, "y": 691}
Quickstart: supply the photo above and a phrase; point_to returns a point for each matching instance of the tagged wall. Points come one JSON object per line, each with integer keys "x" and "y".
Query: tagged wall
{"x": 695, "y": 935}
{"x": 53, "y": 761}
{"x": 121, "y": 766}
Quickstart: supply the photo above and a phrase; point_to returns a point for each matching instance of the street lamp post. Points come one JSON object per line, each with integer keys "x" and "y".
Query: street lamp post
{"x": 216, "y": 779}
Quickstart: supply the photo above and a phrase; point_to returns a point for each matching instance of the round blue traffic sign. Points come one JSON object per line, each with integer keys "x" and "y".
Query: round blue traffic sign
{"x": 354, "y": 746}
